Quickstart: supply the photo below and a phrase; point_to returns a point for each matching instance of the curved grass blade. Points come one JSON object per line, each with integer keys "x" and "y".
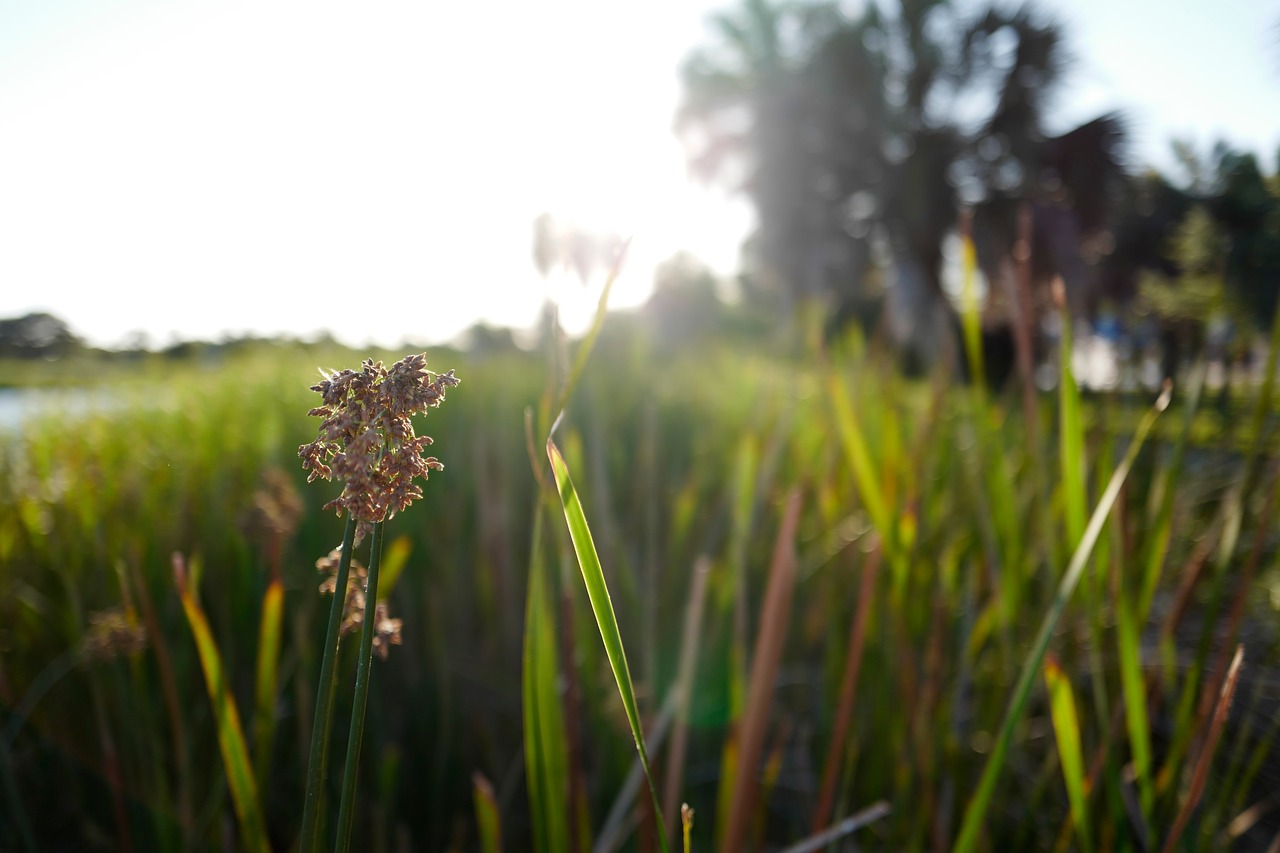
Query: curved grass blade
{"x": 235, "y": 755}
{"x": 977, "y": 809}
{"x": 602, "y": 607}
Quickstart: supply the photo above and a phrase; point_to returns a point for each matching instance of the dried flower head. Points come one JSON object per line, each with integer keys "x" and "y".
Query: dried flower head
{"x": 366, "y": 436}
{"x": 111, "y": 634}
{"x": 276, "y": 508}
{"x": 386, "y": 629}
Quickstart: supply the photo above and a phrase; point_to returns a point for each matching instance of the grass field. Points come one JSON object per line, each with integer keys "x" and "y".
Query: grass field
{"x": 835, "y": 588}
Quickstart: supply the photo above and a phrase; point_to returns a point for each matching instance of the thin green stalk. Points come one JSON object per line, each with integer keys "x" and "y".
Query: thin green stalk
{"x": 326, "y": 690}
{"x": 364, "y": 670}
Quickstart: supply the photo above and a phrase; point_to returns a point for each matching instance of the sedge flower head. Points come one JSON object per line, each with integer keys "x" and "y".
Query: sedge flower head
{"x": 366, "y": 438}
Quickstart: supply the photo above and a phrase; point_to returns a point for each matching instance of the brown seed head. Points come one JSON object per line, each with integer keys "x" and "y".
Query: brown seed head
{"x": 366, "y": 437}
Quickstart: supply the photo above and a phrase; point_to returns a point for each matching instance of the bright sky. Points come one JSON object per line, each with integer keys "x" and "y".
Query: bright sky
{"x": 195, "y": 168}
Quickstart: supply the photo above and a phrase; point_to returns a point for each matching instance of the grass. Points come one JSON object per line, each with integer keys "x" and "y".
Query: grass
{"x": 885, "y": 569}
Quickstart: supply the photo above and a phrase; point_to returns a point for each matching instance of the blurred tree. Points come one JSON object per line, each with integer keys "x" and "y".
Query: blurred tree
{"x": 36, "y": 335}
{"x": 1242, "y": 202}
{"x": 861, "y": 139}
{"x": 685, "y": 306}
{"x": 1247, "y": 207}
{"x": 1186, "y": 303}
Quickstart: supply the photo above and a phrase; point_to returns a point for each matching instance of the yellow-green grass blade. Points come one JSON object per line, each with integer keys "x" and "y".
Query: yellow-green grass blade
{"x": 545, "y": 746}
{"x": 602, "y": 607}
{"x": 394, "y": 559}
{"x": 487, "y": 820}
{"x": 1135, "y": 701}
{"x": 235, "y": 755}
{"x": 1066, "y": 728}
{"x": 976, "y": 811}
{"x": 853, "y": 439}
{"x": 970, "y": 314}
{"x": 267, "y": 681}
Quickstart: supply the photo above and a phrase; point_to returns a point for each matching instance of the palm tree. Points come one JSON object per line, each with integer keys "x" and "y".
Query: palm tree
{"x": 848, "y": 138}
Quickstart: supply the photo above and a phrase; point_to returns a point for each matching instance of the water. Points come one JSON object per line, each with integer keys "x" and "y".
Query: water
{"x": 18, "y": 405}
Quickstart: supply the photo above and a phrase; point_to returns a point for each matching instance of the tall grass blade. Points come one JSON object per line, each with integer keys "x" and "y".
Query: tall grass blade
{"x": 854, "y": 441}
{"x": 1066, "y": 728}
{"x": 775, "y": 615}
{"x": 267, "y": 681}
{"x": 684, "y": 685}
{"x": 1201, "y": 773}
{"x": 602, "y": 606}
{"x": 487, "y": 820}
{"x": 1135, "y": 700}
{"x": 545, "y": 747}
{"x": 235, "y": 755}
{"x": 848, "y": 690}
{"x": 971, "y": 313}
{"x": 977, "y": 809}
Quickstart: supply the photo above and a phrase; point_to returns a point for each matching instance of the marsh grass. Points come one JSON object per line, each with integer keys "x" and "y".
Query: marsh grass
{"x": 679, "y": 459}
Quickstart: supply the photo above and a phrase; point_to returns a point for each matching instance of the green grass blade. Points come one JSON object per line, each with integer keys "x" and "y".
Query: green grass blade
{"x": 977, "y": 809}
{"x": 235, "y": 754}
{"x": 971, "y": 313}
{"x": 267, "y": 681}
{"x": 854, "y": 442}
{"x": 602, "y": 607}
{"x": 1066, "y": 728}
{"x": 1135, "y": 702}
{"x": 395, "y": 558}
{"x": 546, "y": 748}
{"x": 487, "y": 820}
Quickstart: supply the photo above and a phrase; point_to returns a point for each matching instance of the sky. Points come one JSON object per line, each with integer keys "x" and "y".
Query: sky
{"x": 191, "y": 170}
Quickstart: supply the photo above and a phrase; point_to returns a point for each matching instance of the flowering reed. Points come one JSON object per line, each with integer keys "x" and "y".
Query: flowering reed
{"x": 366, "y": 440}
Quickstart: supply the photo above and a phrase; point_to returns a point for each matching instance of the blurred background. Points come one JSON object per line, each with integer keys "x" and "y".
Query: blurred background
{"x": 924, "y": 265}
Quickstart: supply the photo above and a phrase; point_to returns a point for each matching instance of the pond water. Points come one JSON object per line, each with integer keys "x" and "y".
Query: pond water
{"x": 17, "y": 405}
